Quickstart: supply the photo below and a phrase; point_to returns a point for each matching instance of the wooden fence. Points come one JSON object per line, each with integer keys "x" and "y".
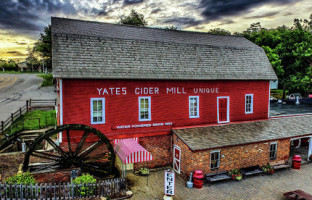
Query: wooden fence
{"x": 54, "y": 191}
{"x": 30, "y": 104}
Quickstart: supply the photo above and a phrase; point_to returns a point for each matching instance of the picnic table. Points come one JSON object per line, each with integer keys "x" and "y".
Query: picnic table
{"x": 298, "y": 195}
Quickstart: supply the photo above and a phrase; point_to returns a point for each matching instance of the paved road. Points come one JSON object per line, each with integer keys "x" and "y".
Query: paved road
{"x": 267, "y": 187}
{"x": 15, "y": 89}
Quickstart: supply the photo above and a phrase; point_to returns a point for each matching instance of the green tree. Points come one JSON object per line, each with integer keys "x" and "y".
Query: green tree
{"x": 134, "y": 19}
{"x": 31, "y": 59}
{"x": 289, "y": 51}
{"x": 219, "y": 31}
{"x": 43, "y": 47}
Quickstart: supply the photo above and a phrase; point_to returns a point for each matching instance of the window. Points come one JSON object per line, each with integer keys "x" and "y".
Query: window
{"x": 194, "y": 106}
{"x": 144, "y": 108}
{"x": 248, "y": 103}
{"x": 214, "y": 159}
{"x": 273, "y": 150}
{"x": 97, "y": 110}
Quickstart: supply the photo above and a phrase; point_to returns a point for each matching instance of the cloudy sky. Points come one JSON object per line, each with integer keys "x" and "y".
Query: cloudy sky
{"x": 21, "y": 21}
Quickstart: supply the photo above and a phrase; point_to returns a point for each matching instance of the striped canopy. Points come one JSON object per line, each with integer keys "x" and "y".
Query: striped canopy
{"x": 129, "y": 151}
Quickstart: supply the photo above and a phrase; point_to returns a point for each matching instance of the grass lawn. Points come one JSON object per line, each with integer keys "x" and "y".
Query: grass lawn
{"x": 47, "y": 79}
{"x": 33, "y": 120}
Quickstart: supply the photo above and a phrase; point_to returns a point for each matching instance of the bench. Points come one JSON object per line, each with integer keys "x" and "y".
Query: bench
{"x": 281, "y": 164}
{"x": 297, "y": 194}
{"x": 248, "y": 171}
{"x": 218, "y": 176}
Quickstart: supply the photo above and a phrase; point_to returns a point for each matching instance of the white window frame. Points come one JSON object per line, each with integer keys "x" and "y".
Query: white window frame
{"x": 197, "y": 107}
{"x": 149, "y": 109}
{"x": 227, "y": 111}
{"x": 219, "y": 160}
{"x": 275, "y": 155}
{"x": 103, "y": 110}
{"x": 251, "y": 104}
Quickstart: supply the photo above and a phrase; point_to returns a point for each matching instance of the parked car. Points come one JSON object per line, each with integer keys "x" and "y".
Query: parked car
{"x": 294, "y": 96}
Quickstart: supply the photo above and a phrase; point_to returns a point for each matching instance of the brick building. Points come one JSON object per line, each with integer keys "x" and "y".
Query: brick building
{"x": 204, "y": 97}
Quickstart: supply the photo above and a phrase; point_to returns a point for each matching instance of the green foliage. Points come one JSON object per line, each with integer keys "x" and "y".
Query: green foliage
{"x": 143, "y": 171}
{"x": 84, "y": 180}
{"x": 9, "y": 65}
{"x": 268, "y": 169}
{"x": 47, "y": 80}
{"x": 23, "y": 178}
{"x": 219, "y": 31}
{"x": 289, "y": 51}
{"x": 236, "y": 174}
{"x": 134, "y": 19}
{"x": 43, "y": 47}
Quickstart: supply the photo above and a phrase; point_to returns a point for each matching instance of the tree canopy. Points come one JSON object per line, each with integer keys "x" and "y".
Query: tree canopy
{"x": 134, "y": 19}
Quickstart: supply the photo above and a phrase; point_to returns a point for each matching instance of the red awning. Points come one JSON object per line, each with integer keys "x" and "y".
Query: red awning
{"x": 129, "y": 151}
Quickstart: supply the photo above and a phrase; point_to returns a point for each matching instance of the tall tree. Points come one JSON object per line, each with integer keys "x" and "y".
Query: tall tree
{"x": 43, "y": 47}
{"x": 134, "y": 19}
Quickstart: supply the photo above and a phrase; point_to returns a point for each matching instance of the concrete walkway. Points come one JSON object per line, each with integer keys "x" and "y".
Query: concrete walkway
{"x": 268, "y": 187}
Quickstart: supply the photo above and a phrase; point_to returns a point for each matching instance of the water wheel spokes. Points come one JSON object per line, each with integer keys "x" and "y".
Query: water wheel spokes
{"x": 82, "y": 147}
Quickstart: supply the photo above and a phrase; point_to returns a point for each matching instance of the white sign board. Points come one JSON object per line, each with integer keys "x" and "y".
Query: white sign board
{"x": 169, "y": 183}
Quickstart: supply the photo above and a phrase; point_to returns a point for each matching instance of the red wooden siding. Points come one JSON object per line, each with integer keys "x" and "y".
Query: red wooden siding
{"x": 123, "y": 109}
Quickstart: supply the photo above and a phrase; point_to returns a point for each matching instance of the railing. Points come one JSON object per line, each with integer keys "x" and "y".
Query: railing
{"x": 30, "y": 104}
{"x": 44, "y": 191}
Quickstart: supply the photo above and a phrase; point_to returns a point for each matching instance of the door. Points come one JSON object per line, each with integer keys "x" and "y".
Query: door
{"x": 176, "y": 159}
{"x": 223, "y": 109}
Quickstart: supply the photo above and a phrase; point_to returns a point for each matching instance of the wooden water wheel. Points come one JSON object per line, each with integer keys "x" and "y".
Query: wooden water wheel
{"x": 82, "y": 147}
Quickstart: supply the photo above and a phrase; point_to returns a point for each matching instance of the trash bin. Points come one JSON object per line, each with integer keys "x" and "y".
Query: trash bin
{"x": 296, "y": 162}
{"x": 198, "y": 179}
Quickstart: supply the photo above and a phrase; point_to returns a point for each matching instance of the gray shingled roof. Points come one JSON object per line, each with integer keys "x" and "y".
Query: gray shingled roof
{"x": 243, "y": 133}
{"x": 83, "y": 49}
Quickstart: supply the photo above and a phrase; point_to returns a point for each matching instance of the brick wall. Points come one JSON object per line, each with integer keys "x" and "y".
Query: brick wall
{"x": 160, "y": 148}
{"x": 231, "y": 157}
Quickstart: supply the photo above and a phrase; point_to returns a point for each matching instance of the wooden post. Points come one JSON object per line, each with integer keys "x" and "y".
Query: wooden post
{"x": 27, "y": 105}
{"x": 12, "y": 117}
{"x": 2, "y": 126}
{"x": 20, "y": 109}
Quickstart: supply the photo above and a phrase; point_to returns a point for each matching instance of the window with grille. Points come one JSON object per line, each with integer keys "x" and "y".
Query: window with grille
{"x": 193, "y": 106}
{"x": 248, "y": 103}
{"x": 144, "y": 108}
{"x": 97, "y": 110}
{"x": 273, "y": 150}
{"x": 214, "y": 159}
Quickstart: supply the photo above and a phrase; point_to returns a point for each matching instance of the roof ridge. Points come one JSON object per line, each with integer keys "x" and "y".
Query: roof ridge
{"x": 146, "y": 27}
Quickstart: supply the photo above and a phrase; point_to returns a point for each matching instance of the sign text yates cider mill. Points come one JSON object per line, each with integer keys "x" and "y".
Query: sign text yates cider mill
{"x": 155, "y": 90}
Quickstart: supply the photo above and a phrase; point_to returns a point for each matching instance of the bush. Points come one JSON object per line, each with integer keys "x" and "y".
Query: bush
{"x": 84, "y": 180}
{"x": 47, "y": 80}
{"x": 236, "y": 174}
{"x": 24, "y": 178}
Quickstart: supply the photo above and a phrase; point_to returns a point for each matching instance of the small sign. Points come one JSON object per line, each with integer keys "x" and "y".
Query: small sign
{"x": 169, "y": 183}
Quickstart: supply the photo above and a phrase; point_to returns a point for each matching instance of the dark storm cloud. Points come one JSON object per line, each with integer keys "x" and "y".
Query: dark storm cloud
{"x": 24, "y": 16}
{"x": 184, "y": 21}
{"x": 127, "y": 2}
{"x": 157, "y": 10}
{"x": 215, "y": 9}
{"x": 226, "y": 22}
{"x": 269, "y": 14}
{"x": 21, "y": 43}
{"x": 16, "y": 53}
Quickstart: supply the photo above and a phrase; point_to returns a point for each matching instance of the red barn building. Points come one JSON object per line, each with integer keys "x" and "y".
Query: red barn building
{"x": 204, "y": 97}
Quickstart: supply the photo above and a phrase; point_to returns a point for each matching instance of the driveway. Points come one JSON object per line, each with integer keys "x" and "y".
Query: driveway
{"x": 267, "y": 187}
{"x": 15, "y": 89}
